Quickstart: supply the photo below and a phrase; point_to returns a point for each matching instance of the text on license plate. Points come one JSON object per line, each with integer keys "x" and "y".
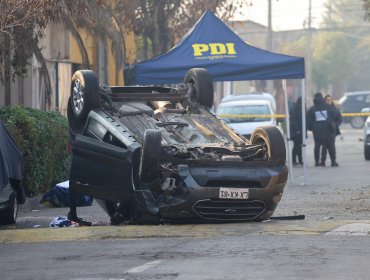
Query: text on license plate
{"x": 233, "y": 193}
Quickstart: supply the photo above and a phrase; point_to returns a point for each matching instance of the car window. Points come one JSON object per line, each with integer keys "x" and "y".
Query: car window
{"x": 95, "y": 130}
{"x": 111, "y": 139}
{"x": 367, "y": 100}
{"x": 99, "y": 132}
{"x": 359, "y": 98}
{"x": 247, "y": 113}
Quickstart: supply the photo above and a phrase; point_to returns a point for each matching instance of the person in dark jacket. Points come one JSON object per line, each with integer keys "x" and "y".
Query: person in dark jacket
{"x": 320, "y": 120}
{"x": 338, "y": 120}
{"x": 295, "y": 118}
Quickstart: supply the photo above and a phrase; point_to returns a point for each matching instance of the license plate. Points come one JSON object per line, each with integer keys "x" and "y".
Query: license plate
{"x": 233, "y": 193}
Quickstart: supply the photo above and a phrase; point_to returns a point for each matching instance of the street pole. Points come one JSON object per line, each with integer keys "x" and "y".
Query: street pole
{"x": 269, "y": 27}
{"x": 309, "y": 54}
{"x": 269, "y": 46}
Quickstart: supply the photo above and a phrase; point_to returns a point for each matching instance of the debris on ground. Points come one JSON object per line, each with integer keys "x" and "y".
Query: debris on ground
{"x": 62, "y": 222}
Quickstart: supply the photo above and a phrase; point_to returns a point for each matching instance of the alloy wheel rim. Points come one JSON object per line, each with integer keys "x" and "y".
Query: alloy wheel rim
{"x": 78, "y": 96}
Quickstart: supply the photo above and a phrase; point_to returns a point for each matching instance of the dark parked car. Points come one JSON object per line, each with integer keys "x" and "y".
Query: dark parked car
{"x": 152, "y": 154}
{"x": 12, "y": 191}
{"x": 367, "y": 135}
{"x": 354, "y": 102}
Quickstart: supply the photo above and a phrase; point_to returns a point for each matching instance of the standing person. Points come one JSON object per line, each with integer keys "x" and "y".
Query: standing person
{"x": 320, "y": 120}
{"x": 295, "y": 117}
{"x": 338, "y": 120}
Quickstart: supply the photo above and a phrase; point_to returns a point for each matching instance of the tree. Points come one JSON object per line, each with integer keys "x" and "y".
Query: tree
{"x": 164, "y": 22}
{"x": 340, "y": 48}
{"x": 97, "y": 18}
{"x": 20, "y": 25}
{"x": 348, "y": 17}
{"x": 332, "y": 64}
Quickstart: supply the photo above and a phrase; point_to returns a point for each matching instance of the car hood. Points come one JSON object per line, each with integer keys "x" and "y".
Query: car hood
{"x": 246, "y": 128}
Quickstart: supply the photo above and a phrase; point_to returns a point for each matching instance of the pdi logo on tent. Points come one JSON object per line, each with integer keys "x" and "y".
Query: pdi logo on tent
{"x": 214, "y": 51}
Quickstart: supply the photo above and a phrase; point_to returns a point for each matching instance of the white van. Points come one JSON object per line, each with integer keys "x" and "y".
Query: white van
{"x": 245, "y": 112}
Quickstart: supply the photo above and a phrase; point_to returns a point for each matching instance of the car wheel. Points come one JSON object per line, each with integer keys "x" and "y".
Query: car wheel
{"x": 85, "y": 96}
{"x": 357, "y": 122}
{"x": 367, "y": 152}
{"x": 9, "y": 215}
{"x": 150, "y": 151}
{"x": 272, "y": 142}
{"x": 203, "y": 85}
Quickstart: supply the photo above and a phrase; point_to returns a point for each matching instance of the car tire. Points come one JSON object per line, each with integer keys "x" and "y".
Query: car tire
{"x": 203, "y": 85}
{"x": 149, "y": 159}
{"x": 85, "y": 96}
{"x": 357, "y": 122}
{"x": 271, "y": 140}
{"x": 9, "y": 215}
{"x": 367, "y": 152}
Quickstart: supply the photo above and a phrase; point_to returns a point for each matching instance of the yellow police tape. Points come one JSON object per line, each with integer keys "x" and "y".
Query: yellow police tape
{"x": 236, "y": 116}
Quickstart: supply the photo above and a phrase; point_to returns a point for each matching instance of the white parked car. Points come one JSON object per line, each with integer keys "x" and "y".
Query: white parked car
{"x": 244, "y": 113}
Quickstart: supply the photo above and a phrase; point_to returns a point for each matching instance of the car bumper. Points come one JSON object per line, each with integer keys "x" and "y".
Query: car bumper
{"x": 265, "y": 185}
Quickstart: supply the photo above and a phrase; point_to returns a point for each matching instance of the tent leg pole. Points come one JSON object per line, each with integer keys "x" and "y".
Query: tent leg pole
{"x": 287, "y": 134}
{"x": 304, "y": 138}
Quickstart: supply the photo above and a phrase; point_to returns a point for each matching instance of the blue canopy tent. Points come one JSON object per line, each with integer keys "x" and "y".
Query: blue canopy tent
{"x": 212, "y": 45}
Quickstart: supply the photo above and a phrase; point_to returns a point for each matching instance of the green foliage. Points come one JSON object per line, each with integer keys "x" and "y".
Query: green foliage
{"x": 295, "y": 47}
{"x": 331, "y": 59}
{"x": 43, "y": 138}
{"x": 350, "y": 17}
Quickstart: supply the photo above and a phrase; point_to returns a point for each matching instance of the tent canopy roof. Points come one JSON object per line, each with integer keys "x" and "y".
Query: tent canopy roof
{"x": 212, "y": 45}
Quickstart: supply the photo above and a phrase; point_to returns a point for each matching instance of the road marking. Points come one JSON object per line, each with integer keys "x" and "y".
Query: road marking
{"x": 351, "y": 229}
{"x": 142, "y": 268}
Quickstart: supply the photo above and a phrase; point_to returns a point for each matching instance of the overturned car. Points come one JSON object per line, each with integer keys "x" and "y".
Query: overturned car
{"x": 156, "y": 154}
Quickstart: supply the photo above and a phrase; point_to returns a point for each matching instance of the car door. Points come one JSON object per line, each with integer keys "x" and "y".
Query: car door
{"x": 99, "y": 168}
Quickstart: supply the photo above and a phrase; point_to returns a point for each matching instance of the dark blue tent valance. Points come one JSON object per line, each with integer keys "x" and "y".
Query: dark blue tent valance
{"x": 212, "y": 45}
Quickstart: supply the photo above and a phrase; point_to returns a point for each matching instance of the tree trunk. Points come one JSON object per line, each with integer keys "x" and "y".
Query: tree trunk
{"x": 7, "y": 69}
{"x": 44, "y": 73}
{"x": 81, "y": 45}
{"x": 155, "y": 35}
{"x": 164, "y": 32}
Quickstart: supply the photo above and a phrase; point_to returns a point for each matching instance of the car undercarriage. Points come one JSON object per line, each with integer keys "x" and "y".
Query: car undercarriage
{"x": 156, "y": 154}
